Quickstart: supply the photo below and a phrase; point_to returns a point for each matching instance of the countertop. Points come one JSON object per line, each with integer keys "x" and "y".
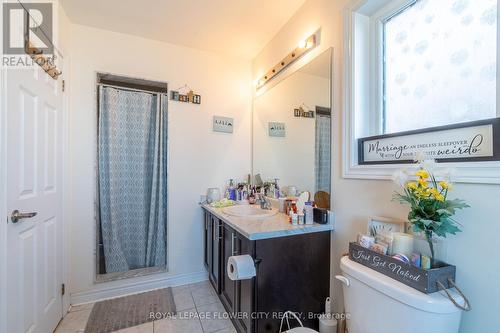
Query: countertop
{"x": 274, "y": 226}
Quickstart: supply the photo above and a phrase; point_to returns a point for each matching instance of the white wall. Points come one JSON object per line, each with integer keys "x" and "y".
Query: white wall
{"x": 198, "y": 157}
{"x": 291, "y": 159}
{"x": 473, "y": 251}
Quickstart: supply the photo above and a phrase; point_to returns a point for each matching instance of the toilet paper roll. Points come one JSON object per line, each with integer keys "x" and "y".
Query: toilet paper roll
{"x": 240, "y": 267}
{"x": 402, "y": 243}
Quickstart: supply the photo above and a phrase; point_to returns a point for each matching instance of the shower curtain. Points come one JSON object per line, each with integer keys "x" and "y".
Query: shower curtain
{"x": 132, "y": 178}
{"x": 322, "y": 153}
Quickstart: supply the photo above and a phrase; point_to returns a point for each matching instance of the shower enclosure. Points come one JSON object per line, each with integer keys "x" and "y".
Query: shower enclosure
{"x": 131, "y": 205}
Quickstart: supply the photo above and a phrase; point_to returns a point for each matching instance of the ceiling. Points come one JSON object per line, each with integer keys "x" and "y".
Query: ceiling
{"x": 233, "y": 27}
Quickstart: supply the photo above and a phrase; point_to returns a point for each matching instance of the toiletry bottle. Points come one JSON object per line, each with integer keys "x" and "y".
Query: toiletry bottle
{"x": 251, "y": 197}
{"x": 244, "y": 194}
{"x": 308, "y": 213}
{"x": 232, "y": 190}
{"x": 276, "y": 188}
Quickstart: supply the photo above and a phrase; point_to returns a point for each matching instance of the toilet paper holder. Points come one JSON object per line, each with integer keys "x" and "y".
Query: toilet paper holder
{"x": 248, "y": 265}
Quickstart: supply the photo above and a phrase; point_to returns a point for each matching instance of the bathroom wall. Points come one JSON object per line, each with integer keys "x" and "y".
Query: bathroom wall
{"x": 291, "y": 159}
{"x": 198, "y": 157}
{"x": 473, "y": 251}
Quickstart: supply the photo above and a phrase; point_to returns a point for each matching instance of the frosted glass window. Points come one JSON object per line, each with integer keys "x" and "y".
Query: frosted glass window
{"x": 440, "y": 64}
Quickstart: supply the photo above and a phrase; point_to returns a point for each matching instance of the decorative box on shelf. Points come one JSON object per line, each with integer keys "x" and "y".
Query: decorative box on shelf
{"x": 425, "y": 281}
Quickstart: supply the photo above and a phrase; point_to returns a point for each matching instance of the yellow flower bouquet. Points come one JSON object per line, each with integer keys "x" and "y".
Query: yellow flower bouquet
{"x": 431, "y": 212}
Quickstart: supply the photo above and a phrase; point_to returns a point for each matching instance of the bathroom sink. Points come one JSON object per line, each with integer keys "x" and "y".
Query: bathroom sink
{"x": 249, "y": 211}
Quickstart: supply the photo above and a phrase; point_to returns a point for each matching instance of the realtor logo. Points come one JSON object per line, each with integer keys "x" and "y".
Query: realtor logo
{"x": 27, "y": 20}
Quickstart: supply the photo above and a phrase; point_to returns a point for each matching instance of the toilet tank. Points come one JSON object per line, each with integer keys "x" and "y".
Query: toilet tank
{"x": 376, "y": 303}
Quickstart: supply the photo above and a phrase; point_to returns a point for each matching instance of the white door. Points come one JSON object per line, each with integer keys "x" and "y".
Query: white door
{"x": 34, "y": 184}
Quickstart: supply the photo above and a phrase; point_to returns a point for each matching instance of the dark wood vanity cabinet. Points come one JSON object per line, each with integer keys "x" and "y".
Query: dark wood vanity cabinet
{"x": 293, "y": 273}
{"x": 237, "y": 296}
{"x": 212, "y": 252}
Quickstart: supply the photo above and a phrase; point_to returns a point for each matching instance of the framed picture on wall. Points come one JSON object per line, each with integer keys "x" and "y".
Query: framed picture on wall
{"x": 475, "y": 141}
{"x": 277, "y": 129}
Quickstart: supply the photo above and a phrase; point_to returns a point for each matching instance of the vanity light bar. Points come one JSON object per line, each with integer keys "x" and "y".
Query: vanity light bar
{"x": 304, "y": 46}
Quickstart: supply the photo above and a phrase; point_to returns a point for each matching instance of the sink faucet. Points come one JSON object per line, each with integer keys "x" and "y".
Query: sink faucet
{"x": 265, "y": 203}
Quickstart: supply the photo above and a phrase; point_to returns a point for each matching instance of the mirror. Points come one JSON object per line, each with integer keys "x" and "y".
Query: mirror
{"x": 292, "y": 132}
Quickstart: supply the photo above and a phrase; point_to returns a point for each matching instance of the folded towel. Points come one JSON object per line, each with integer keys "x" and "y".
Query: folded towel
{"x": 223, "y": 203}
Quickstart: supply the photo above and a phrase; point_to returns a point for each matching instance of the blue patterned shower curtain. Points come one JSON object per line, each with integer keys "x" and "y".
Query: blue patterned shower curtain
{"x": 132, "y": 178}
{"x": 323, "y": 153}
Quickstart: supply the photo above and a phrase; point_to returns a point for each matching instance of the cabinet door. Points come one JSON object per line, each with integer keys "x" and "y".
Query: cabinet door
{"x": 244, "y": 288}
{"x": 228, "y": 286}
{"x": 206, "y": 240}
{"x": 215, "y": 253}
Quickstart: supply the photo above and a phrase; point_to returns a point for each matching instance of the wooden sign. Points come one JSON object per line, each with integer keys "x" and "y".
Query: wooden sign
{"x": 300, "y": 112}
{"x": 415, "y": 277}
{"x": 277, "y": 129}
{"x": 223, "y": 124}
{"x": 466, "y": 142}
{"x": 190, "y": 97}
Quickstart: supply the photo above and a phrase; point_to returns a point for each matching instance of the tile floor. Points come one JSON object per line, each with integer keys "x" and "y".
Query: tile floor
{"x": 199, "y": 310}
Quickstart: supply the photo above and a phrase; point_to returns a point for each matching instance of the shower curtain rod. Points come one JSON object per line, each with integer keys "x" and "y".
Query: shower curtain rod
{"x": 132, "y": 89}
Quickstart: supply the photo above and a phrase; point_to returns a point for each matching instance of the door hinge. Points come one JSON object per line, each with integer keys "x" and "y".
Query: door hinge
{"x": 63, "y": 289}
{"x": 63, "y": 85}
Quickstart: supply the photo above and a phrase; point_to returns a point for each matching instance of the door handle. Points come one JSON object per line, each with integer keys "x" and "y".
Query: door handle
{"x": 233, "y": 248}
{"x": 16, "y": 216}
{"x": 232, "y": 244}
{"x": 213, "y": 231}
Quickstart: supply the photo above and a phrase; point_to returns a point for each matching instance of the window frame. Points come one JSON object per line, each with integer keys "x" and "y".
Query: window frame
{"x": 373, "y": 111}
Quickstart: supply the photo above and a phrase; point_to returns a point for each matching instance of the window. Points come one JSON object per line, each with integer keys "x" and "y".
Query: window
{"x": 413, "y": 64}
{"x": 439, "y": 64}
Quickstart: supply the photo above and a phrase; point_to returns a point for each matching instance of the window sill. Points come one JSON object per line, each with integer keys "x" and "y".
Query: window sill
{"x": 472, "y": 173}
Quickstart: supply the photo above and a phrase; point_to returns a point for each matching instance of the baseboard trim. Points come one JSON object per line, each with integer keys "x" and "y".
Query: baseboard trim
{"x": 136, "y": 287}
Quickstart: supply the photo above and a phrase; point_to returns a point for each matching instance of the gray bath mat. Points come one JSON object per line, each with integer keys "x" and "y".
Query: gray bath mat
{"x": 128, "y": 311}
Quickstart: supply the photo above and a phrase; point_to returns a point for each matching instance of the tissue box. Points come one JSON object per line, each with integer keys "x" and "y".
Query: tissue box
{"x": 415, "y": 277}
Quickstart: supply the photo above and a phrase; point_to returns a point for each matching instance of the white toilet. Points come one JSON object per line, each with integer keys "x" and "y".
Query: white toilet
{"x": 376, "y": 303}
